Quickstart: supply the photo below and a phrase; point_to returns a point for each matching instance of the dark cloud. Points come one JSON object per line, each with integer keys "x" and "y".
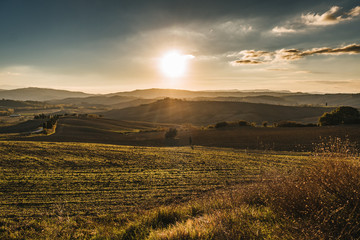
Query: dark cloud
{"x": 349, "y": 49}
{"x": 248, "y": 62}
{"x": 252, "y": 56}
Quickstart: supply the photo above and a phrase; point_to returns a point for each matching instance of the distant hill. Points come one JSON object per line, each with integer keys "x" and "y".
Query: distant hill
{"x": 16, "y": 104}
{"x": 134, "y": 98}
{"x": 323, "y": 99}
{"x": 209, "y": 112}
{"x": 333, "y": 100}
{"x": 8, "y": 107}
{"x": 115, "y": 102}
{"x": 39, "y": 94}
{"x": 257, "y": 96}
{"x": 268, "y": 99}
{"x": 176, "y": 93}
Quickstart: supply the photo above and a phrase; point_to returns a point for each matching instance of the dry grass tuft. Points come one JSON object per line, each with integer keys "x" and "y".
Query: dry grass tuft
{"x": 324, "y": 198}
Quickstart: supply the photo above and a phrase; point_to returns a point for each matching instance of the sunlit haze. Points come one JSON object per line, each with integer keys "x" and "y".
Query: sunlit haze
{"x": 173, "y": 64}
{"x": 109, "y": 46}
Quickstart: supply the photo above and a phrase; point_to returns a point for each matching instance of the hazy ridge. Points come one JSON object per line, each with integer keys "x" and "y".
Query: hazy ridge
{"x": 133, "y": 98}
{"x": 209, "y": 112}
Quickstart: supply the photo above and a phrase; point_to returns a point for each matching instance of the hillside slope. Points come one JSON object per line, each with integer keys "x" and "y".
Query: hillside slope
{"x": 254, "y": 96}
{"x": 39, "y": 94}
{"x": 209, "y": 112}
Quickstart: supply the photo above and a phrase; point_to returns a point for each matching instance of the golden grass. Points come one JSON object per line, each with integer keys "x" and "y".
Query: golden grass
{"x": 316, "y": 200}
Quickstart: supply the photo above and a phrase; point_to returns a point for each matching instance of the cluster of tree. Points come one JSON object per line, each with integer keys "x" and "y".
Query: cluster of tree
{"x": 293, "y": 124}
{"x": 87, "y": 115}
{"x": 52, "y": 120}
{"x": 42, "y": 116}
{"x": 171, "y": 133}
{"x": 341, "y": 115}
{"x": 241, "y": 123}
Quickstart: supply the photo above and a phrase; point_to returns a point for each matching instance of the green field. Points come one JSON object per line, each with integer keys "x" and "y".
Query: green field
{"x": 88, "y": 179}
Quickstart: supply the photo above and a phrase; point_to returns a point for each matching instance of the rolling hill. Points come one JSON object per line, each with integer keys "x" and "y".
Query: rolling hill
{"x": 132, "y": 98}
{"x": 21, "y": 104}
{"x": 39, "y": 94}
{"x": 210, "y": 112}
{"x": 137, "y": 97}
{"x": 178, "y": 93}
{"x": 134, "y": 133}
{"x": 115, "y": 102}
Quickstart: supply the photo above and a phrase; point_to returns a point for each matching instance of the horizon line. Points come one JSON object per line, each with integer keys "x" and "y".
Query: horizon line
{"x": 176, "y": 89}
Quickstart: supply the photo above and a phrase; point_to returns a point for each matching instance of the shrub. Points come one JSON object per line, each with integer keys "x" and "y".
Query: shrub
{"x": 293, "y": 124}
{"x": 323, "y": 197}
{"x": 171, "y": 133}
{"x": 341, "y": 115}
{"x": 221, "y": 124}
{"x": 244, "y": 123}
{"x": 287, "y": 124}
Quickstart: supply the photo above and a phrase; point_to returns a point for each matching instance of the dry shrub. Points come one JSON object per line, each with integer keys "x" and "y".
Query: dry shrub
{"x": 335, "y": 147}
{"x": 324, "y": 198}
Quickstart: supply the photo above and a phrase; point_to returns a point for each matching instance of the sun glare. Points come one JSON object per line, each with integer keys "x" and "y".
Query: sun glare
{"x": 173, "y": 64}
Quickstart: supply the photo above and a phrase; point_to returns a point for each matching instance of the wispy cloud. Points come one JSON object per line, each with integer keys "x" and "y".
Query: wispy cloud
{"x": 290, "y": 70}
{"x": 283, "y": 30}
{"x": 258, "y": 57}
{"x": 331, "y": 17}
{"x": 233, "y": 27}
{"x": 355, "y": 11}
{"x": 246, "y": 61}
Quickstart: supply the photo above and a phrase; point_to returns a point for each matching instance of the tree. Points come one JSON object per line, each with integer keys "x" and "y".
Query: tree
{"x": 171, "y": 133}
{"x": 341, "y": 115}
{"x": 221, "y": 124}
{"x": 243, "y": 123}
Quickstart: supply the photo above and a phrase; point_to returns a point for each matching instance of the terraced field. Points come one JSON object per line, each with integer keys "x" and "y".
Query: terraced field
{"x": 38, "y": 178}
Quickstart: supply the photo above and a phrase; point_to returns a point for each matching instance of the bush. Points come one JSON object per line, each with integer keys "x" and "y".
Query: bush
{"x": 293, "y": 124}
{"x": 171, "y": 133}
{"x": 221, "y": 124}
{"x": 243, "y": 123}
{"x": 341, "y": 115}
{"x": 324, "y": 197}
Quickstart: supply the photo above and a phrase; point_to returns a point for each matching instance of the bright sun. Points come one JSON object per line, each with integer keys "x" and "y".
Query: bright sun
{"x": 173, "y": 64}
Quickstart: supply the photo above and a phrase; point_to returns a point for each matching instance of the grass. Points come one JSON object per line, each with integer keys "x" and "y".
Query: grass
{"x": 94, "y": 178}
{"x": 94, "y": 191}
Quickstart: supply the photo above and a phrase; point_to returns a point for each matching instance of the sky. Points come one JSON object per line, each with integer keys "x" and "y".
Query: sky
{"x": 103, "y": 46}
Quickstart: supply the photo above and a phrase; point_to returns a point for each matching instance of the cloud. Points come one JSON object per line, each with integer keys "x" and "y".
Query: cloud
{"x": 355, "y": 11}
{"x": 331, "y": 17}
{"x": 290, "y": 70}
{"x": 257, "y": 57}
{"x": 332, "y": 82}
{"x": 328, "y": 18}
{"x": 248, "y": 62}
{"x": 283, "y": 30}
{"x": 233, "y": 27}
